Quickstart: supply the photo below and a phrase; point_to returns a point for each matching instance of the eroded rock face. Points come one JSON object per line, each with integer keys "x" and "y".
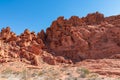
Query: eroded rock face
{"x": 81, "y": 38}
{"x": 7, "y": 35}
{"x": 65, "y": 41}
{"x": 94, "y": 18}
{"x": 28, "y": 47}
{"x": 53, "y": 60}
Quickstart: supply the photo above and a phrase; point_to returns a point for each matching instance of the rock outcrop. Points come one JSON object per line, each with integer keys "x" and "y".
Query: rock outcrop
{"x": 65, "y": 41}
{"x": 90, "y": 37}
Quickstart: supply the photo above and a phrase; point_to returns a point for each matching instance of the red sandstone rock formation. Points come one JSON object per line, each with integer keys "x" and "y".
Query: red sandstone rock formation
{"x": 83, "y": 38}
{"x": 65, "y": 41}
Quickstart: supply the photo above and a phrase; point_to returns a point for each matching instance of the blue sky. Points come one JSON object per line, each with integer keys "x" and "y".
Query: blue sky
{"x": 39, "y": 14}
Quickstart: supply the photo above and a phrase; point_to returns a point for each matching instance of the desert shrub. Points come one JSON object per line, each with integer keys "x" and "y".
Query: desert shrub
{"x": 83, "y": 72}
{"x": 93, "y": 76}
{"x": 7, "y": 71}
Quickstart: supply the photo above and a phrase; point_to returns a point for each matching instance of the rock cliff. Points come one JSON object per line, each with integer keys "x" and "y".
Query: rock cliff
{"x": 65, "y": 41}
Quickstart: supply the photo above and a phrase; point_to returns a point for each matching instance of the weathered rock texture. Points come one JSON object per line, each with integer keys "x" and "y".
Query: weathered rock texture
{"x": 65, "y": 41}
{"x": 93, "y": 36}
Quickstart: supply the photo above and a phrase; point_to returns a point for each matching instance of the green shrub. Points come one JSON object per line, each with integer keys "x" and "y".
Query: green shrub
{"x": 83, "y": 72}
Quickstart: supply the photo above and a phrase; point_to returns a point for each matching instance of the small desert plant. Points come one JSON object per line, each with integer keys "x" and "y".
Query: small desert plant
{"x": 83, "y": 72}
{"x": 93, "y": 75}
{"x": 16, "y": 73}
{"x": 40, "y": 73}
{"x": 7, "y": 71}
